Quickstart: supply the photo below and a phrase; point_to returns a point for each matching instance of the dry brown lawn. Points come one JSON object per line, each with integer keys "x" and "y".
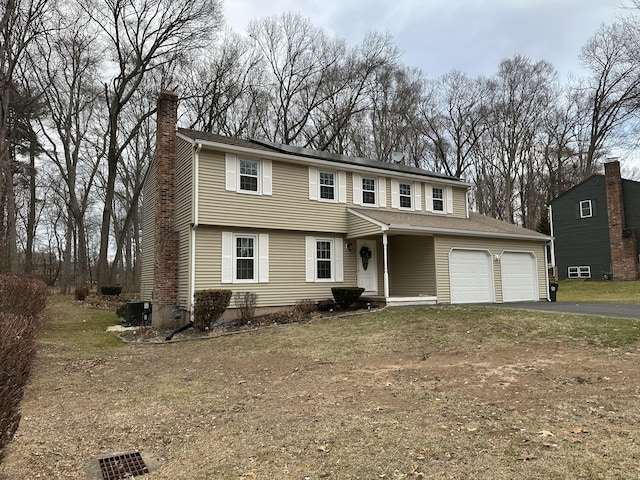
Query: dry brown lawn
{"x": 442, "y": 392}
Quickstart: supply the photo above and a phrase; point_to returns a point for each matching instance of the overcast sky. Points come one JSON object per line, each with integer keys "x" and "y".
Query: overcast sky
{"x": 438, "y": 36}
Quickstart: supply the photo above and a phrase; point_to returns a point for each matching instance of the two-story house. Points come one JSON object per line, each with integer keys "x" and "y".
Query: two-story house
{"x": 290, "y": 223}
{"x": 594, "y": 226}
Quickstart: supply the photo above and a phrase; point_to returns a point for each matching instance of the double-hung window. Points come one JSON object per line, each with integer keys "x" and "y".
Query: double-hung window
{"x": 245, "y": 257}
{"x": 438, "y": 199}
{"x": 586, "y": 209}
{"x": 248, "y": 175}
{"x": 368, "y": 191}
{"x": 405, "y": 195}
{"x": 245, "y": 175}
{"x": 324, "y": 259}
{"x": 327, "y": 185}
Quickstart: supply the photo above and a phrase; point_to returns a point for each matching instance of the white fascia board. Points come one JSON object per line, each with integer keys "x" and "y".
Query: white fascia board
{"x": 334, "y": 165}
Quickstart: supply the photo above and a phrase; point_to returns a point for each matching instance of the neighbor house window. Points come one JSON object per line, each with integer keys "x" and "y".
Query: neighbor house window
{"x": 405, "y": 195}
{"x": 586, "y": 209}
{"x": 248, "y": 176}
{"x": 583, "y": 271}
{"x": 368, "y": 191}
{"x": 245, "y": 258}
{"x": 327, "y": 186}
{"x": 438, "y": 199}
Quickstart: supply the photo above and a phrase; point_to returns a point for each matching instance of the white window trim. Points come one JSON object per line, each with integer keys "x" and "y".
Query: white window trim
{"x": 580, "y": 271}
{"x": 337, "y": 260}
{"x": 261, "y": 258}
{"x": 395, "y": 195}
{"x": 380, "y": 191}
{"x": 590, "y": 208}
{"x": 447, "y": 199}
{"x": 339, "y": 185}
{"x": 232, "y": 175}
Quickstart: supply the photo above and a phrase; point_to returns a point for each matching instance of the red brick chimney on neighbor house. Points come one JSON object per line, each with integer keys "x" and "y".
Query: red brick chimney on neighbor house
{"x": 165, "y": 269}
{"x": 622, "y": 240}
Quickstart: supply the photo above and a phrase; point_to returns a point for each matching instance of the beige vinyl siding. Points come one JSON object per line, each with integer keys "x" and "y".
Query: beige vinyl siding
{"x": 359, "y": 228}
{"x": 444, "y": 244}
{"x": 184, "y": 215}
{"x": 411, "y": 266}
{"x": 148, "y": 237}
{"x": 459, "y": 202}
{"x": 287, "y": 285}
{"x": 289, "y": 206}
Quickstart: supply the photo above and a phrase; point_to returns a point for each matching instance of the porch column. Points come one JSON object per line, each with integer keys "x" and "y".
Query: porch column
{"x": 385, "y": 242}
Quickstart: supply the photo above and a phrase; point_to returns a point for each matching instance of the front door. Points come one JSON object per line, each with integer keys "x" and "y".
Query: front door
{"x": 367, "y": 261}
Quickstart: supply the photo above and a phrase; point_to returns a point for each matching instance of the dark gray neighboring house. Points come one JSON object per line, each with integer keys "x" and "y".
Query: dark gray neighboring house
{"x": 595, "y": 227}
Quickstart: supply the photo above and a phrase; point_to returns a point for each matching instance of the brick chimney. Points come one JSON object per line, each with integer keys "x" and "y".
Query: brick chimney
{"x": 622, "y": 240}
{"x": 165, "y": 269}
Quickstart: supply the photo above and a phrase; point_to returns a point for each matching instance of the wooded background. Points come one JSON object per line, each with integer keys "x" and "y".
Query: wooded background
{"x": 79, "y": 82}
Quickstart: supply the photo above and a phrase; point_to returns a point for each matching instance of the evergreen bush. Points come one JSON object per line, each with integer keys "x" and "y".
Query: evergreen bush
{"x": 346, "y": 296}
{"x": 209, "y": 306}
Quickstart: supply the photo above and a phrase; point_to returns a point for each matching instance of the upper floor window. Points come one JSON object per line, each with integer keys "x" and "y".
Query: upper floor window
{"x": 369, "y": 191}
{"x": 248, "y": 176}
{"x": 586, "y": 209}
{"x": 327, "y": 185}
{"x": 405, "y": 195}
{"x": 438, "y": 199}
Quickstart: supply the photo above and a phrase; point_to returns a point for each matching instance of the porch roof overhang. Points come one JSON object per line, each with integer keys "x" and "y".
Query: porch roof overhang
{"x": 406, "y": 223}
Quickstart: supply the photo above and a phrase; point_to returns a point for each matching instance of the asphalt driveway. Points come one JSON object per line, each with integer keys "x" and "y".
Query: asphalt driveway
{"x": 621, "y": 310}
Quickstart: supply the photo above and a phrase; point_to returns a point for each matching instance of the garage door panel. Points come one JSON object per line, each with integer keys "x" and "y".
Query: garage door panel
{"x": 470, "y": 276}
{"x": 519, "y": 277}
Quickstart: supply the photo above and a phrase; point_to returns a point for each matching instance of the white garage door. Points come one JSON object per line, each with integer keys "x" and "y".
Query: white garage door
{"x": 519, "y": 277}
{"x": 471, "y": 276}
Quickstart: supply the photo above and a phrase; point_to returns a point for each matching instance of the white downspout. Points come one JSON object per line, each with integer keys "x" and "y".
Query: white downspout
{"x": 385, "y": 242}
{"x": 192, "y": 239}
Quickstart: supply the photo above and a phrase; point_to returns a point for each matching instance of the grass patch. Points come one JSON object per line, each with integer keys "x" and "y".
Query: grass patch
{"x": 73, "y": 326}
{"x": 616, "y": 291}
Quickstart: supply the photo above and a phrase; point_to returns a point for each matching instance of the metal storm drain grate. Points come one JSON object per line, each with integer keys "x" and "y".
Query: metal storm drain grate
{"x": 122, "y": 466}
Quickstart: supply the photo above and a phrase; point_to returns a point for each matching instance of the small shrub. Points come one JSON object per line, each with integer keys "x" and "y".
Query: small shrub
{"x": 303, "y": 310}
{"x": 110, "y": 290}
{"x": 245, "y": 302}
{"x": 81, "y": 293}
{"x": 345, "y": 296}
{"x": 209, "y": 306}
{"x": 121, "y": 312}
{"x": 22, "y": 299}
